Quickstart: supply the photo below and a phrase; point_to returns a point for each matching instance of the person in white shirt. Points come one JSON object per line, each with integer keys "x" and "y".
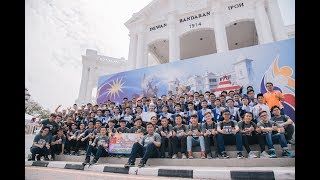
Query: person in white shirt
{"x": 259, "y": 108}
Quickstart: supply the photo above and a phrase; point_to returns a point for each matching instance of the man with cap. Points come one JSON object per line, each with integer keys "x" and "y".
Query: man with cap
{"x": 137, "y": 128}
{"x": 123, "y": 128}
{"x": 111, "y": 129}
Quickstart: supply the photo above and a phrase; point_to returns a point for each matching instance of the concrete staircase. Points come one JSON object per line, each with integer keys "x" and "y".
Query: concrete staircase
{"x": 197, "y": 161}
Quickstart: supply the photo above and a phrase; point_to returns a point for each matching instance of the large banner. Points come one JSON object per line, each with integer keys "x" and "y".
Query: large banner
{"x": 121, "y": 143}
{"x": 255, "y": 65}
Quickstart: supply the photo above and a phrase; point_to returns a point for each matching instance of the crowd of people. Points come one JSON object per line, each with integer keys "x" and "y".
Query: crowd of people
{"x": 171, "y": 124}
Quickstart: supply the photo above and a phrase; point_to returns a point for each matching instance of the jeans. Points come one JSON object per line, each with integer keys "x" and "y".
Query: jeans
{"x": 209, "y": 140}
{"x": 282, "y": 140}
{"x": 179, "y": 143}
{"x": 145, "y": 152}
{"x": 166, "y": 142}
{"x": 100, "y": 151}
{"x": 229, "y": 139}
{"x": 195, "y": 141}
{"x": 41, "y": 151}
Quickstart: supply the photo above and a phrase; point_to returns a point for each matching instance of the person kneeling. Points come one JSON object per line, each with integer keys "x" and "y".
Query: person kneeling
{"x": 146, "y": 148}
{"x": 98, "y": 147}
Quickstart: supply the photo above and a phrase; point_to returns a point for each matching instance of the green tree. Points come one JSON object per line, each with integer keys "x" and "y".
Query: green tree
{"x": 35, "y": 109}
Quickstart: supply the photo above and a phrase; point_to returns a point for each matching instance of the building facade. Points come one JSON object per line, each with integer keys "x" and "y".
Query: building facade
{"x": 172, "y": 30}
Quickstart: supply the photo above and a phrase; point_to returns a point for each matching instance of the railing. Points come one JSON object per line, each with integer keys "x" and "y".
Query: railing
{"x": 30, "y": 128}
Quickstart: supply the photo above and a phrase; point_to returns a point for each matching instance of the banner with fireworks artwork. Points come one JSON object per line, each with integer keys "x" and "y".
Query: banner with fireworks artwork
{"x": 255, "y": 65}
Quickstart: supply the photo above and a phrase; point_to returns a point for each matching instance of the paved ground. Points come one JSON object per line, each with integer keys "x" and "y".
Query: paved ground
{"x": 40, "y": 173}
{"x": 28, "y": 143}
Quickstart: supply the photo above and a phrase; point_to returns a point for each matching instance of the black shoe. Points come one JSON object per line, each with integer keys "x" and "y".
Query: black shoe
{"x": 93, "y": 161}
{"x": 78, "y": 153}
{"x": 86, "y": 161}
{"x": 46, "y": 158}
{"x": 74, "y": 153}
{"x": 224, "y": 155}
{"x": 141, "y": 164}
{"x": 239, "y": 155}
{"x": 129, "y": 164}
{"x": 38, "y": 157}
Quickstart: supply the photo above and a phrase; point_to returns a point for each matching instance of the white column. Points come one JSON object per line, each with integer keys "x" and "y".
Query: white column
{"x": 262, "y": 23}
{"x": 220, "y": 33}
{"x": 140, "y": 48}
{"x": 132, "y": 51}
{"x": 276, "y": 21}
{"x": 89, "y": 84}
{"x": 174, "y": 40}
{"x": 84, "y": 81}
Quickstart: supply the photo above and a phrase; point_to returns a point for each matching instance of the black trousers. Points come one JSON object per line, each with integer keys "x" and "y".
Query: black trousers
{"x": 208, "y": 141}
{"x": 56, "y": 149}
{"x": 179, "y": 144}
{"x": 70, "y": 144}
{"x": 41, "y": 151}
{"x": 249, "y": 140}
{"x": 166, "y": 143}
{"x": 80, "y": 143}
{"x": 289, "y": 130}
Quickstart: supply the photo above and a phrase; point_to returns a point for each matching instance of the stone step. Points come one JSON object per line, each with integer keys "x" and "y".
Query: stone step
{"x": 254, "y": 147}
{"x": 216, "y": 162}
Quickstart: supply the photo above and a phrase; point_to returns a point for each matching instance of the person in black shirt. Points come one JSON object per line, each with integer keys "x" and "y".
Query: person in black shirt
{"x": 179, "y": 138}
{"x": 209, "y": 131}
{"x": 165, "y": 131}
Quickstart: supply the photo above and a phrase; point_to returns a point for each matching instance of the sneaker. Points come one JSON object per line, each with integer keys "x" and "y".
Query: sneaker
{"x": 273, "y": 154}
{"x": 190, "y": 155}
{"x": 251, "y": 155}
{"x": 141, "y": 164}
{"x": 203, "y": 155}
{"x": 46, "y": 158}
{"x": 52, "y": 158}
{"x": 78, "y": 153}
{"x": 209, "y": 155}
{"x": 93, "y": 161}
{"x": 184, "y": 156}
{"x": 216, "y": 155}
{"x": 239, "y": 155}
{"x": 264, "y": 155}
{"x": 291, "y": 141}
{"x": 86, "y": 161}
{"x": 286, "y": 153}
{"x": 224, "y": 155}
{"x": 73, "y": 153}
{"x": 129, "y": 164}
{"x": 174, "y": 156}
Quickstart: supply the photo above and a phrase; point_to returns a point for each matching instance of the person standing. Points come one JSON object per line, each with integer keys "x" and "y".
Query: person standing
{"x": 273, "y": 98}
